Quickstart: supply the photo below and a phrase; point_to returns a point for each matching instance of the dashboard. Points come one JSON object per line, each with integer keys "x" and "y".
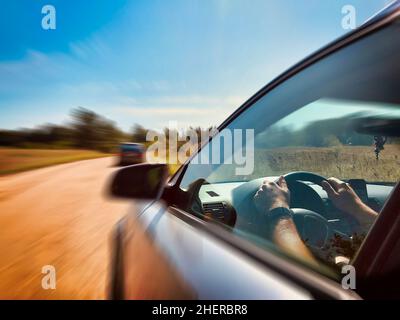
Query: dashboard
{"x": 232, "y": 202}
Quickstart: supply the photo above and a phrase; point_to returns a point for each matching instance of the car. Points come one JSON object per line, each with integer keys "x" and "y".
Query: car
{"x": 131, "y": 153}
{"x": 197, "y": 234}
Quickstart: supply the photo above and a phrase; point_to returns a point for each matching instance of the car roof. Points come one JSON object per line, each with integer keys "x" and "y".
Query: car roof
{"x": 387, "y": 10}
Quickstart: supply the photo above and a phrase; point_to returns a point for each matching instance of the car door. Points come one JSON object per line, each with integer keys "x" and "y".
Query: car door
{"x": 170, "y": 254}
{"x": 316, "y": 117}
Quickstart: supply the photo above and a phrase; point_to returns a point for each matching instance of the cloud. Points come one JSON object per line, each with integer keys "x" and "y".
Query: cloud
{"x": 94, "y": 48}
{"x": 192, "y": 100}
{"x": 45, "y": 86}
{"x": 188, "y": 111}
{"x": 145, "y": 111}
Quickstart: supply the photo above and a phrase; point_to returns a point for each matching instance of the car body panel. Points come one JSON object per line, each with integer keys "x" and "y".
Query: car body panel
{"x": 176, "y": 261}
{"x": 165, "y": 257}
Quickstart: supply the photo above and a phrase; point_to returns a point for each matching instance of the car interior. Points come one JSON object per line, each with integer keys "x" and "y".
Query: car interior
{"x": 353, "y": 152}
{"x": 317, "y": 220}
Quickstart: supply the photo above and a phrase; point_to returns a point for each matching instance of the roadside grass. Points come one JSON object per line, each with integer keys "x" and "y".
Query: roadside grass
{"x": 343, "y": 162}
{"x": 13, "y": 160}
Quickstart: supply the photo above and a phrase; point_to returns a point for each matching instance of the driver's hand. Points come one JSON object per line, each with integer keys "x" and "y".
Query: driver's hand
{"x": 345, "y": 199}
{"x": 342, "y": 195}
{"x": 272, "y": 195}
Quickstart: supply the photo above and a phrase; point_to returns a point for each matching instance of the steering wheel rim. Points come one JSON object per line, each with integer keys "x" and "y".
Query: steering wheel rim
{"x": 304, "y": 176}
{"x": 243, "y": 202}
{"x": 302, "y": 194}
{"x": 293, "y": 179}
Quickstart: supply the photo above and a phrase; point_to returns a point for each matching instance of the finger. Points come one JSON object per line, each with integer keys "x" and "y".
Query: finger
{"x": 259, "y": 193}
{"x": 272, "y": 185}
{"x": 264, "y": 187}
{"x": 348, "y": 186}
{"x": 329, "y": 189}
{"x": 282, "y": 183}
{"x": 335, "y": 183}
{"x": 268, "y": 182}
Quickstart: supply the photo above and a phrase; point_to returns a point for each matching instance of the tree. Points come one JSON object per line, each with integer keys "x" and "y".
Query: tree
{"x": 84, "y": 125}
{"x": 92, "y": 131}
{"x": 138, "y": 133}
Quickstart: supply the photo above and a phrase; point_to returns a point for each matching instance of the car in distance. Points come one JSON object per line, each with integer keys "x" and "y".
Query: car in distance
{"x": 131, "y": 153}
{"x": 319, "y": 119}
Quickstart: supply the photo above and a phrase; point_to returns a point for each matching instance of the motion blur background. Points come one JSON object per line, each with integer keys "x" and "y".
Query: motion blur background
{"x": 109, "y": 72}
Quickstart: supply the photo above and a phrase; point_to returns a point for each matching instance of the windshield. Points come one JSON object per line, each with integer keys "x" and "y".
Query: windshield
{"x": 323, "y": 137}
{"x": 320, "y": 121}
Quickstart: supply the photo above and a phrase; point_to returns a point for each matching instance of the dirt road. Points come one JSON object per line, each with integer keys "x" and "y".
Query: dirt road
{"x": 57, "y": 216}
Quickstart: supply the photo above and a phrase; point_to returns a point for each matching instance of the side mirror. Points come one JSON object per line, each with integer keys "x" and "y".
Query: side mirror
{"x": 141, "y": 181}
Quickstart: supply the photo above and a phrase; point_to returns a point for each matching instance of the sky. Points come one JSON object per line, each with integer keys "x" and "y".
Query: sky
{"x": 154, "y": 61}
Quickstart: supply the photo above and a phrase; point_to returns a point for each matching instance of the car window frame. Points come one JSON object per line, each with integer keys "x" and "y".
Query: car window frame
{"x": 377, "y": 252}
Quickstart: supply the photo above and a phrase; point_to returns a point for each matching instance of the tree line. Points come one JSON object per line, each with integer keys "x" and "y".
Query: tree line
{"x": 89, "y": 130}
{"x": 85, "y": 130}
{"x": 322, "y": 133}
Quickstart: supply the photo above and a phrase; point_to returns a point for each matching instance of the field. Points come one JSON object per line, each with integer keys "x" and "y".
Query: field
{"x": 342, "y": 162}
{"x": 18, "y": 160}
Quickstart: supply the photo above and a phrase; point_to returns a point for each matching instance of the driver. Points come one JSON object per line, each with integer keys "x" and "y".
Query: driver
{"x": 272, "y": 203}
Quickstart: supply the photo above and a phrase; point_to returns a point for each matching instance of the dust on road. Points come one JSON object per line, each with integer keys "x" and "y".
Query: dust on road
{"x": 57, "y": 216}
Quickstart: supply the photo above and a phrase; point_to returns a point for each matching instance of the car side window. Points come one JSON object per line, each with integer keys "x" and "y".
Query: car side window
{"x": 325, "y": 152}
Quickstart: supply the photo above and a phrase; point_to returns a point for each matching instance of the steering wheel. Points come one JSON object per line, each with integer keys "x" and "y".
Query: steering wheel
{"x": 302, "y": 195}
{"x": 309, "y": 209}
{"x": 304, "y": 176}
{"x": 306, "y": 204}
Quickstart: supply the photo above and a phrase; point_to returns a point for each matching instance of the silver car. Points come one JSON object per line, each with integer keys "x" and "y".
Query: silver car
{"x": 198, "y": 234}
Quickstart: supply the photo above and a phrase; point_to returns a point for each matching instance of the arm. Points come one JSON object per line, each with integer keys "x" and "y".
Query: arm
{"x": 283, "y": 231}
{"x": 345, "y": 199}
{"x": 286, "y": 237}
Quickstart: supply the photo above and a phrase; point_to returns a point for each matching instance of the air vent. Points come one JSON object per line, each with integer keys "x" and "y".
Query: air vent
{"x": 212, "y": 194}
{"x": 216, "y": 209}
{"x": 220, "y": 211}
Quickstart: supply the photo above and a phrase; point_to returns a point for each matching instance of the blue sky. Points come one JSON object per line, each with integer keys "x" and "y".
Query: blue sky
{"x": 151, "y": 61}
